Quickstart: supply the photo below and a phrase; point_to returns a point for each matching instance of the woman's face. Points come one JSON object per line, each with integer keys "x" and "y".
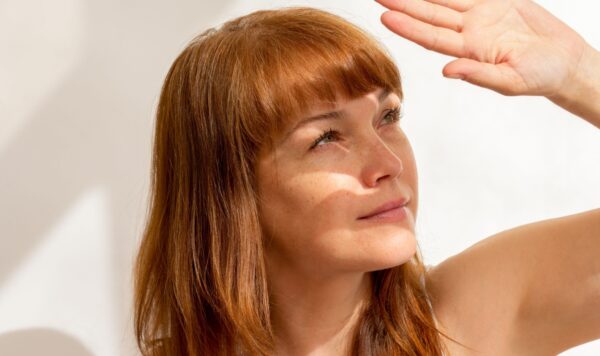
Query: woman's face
{"x": 326, "y": 175}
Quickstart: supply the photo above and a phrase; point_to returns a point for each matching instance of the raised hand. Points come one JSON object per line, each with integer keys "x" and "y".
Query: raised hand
{"x": 514, "y": 47}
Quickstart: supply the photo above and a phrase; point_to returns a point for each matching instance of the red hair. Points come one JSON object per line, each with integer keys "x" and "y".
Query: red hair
{"x": 200, "y": 281}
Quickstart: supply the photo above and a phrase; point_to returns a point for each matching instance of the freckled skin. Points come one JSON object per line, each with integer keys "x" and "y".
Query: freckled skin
{"x": 310, "y": 200}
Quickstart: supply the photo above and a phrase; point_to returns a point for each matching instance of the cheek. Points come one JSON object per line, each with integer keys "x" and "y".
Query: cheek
{"x": 410, "y": 168}
{"x": 410, "y": 175}
{"x": 306, "y": 205}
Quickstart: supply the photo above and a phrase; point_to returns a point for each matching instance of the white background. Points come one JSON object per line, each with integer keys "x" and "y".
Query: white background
{"x": 79, "y": 82}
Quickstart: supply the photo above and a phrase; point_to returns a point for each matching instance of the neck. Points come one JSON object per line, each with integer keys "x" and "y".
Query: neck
{"x": 316, "y": 315}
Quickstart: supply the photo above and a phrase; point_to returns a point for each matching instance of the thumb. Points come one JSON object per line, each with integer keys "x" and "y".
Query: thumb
{"x": 492, "y": 76}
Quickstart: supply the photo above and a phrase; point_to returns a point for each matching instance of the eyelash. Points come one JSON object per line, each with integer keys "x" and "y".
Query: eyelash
{"x": 395, "y": 113}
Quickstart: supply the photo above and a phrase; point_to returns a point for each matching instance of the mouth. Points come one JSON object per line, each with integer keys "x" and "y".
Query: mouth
{"x": 392, "y": 209}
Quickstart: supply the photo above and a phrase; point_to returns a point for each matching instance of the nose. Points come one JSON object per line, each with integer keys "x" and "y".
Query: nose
{"x": 380, "y": 163}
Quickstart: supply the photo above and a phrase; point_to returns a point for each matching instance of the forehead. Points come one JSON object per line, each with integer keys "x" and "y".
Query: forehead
{"x": 283, "y": 127}
{"x": 318, "y": 110}
{"x": 318, "y": 106}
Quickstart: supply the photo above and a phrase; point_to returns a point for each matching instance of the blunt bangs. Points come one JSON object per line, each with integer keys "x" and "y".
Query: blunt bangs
{"x": 305, "y": 57}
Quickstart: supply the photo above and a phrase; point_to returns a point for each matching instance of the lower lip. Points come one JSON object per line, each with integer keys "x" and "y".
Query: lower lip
{"x": 393, "y": 215}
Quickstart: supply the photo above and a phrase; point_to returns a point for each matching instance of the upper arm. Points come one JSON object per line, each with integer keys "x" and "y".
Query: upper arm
{"x": 560, "y": 306}
{"x": 538, "y": 285}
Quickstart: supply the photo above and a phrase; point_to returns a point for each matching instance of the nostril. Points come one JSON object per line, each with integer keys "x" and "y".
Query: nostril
{"x": 382, "y": 178}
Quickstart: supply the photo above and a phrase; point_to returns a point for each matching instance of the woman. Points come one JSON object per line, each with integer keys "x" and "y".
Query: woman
{"x": 285, "y": 195}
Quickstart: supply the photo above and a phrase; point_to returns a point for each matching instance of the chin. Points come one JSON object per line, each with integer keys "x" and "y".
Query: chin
{"x": 391, "y": 251}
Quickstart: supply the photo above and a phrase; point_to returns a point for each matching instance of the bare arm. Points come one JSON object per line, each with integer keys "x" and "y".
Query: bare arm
{"x": 561, "y": 262}
{"x": 581, "y": 96}
{"x": 536, "y": 287}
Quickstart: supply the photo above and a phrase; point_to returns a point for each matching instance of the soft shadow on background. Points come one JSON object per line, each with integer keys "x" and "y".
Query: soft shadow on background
{"x": 41, "y": 342}
{"x": 77, "y": 114}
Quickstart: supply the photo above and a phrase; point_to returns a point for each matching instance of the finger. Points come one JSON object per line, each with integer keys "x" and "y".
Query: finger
{"x": 433, "y": 14}
{"x": 457, "y": 5}
{"x": 437, "y": 39}
{"x": 498, "y": 77}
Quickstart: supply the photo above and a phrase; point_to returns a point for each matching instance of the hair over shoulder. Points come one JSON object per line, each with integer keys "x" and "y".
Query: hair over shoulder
{"x": 200, "y": 279}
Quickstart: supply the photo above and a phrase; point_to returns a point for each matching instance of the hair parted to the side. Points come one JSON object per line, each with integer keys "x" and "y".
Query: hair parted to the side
{"x": 200, "y": 279}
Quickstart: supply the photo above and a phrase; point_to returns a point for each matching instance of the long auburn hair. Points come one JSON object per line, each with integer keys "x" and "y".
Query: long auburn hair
{"x": 200, "y": 279}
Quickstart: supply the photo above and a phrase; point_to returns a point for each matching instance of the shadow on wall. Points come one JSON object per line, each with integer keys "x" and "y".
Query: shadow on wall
{"x": 93, "y": 130}
{"x": 30, "y": 342}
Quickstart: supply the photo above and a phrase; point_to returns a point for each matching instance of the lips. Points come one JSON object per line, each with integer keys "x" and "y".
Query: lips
{"x": 390, "y": 205}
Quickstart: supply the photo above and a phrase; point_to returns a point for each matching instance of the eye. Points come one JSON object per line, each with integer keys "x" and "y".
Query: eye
{"x": 394, "y": 115}
{"x": 325, "y": 137}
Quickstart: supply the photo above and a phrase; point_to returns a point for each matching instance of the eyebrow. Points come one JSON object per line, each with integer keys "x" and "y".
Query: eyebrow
{"x": 340, "y": 114}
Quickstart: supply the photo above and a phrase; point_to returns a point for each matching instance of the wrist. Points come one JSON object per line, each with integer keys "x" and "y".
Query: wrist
{"x": 581, "y": 93}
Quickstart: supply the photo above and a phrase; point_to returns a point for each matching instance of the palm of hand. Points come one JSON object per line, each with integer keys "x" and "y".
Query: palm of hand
{"x": 513, "y": 47}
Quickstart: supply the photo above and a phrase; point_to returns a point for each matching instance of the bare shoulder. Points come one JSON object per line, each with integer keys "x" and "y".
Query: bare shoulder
{"x": 495, "y": 296}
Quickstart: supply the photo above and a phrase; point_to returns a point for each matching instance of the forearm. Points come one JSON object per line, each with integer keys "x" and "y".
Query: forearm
{"x": 581, "y": 96}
